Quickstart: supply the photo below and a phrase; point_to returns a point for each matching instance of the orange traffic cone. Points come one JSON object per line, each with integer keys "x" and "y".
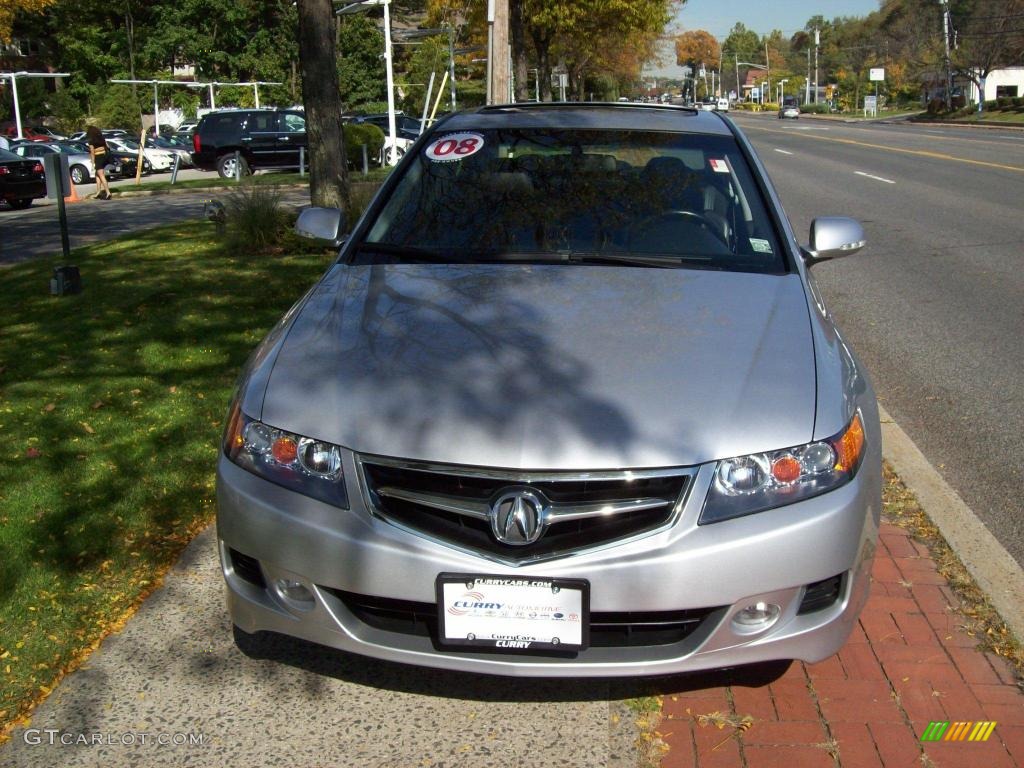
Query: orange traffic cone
{"x": 73, "y": 197}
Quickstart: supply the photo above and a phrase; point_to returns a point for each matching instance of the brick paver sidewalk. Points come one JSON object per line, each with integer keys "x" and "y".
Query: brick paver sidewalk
{"x": 908, "y": 663}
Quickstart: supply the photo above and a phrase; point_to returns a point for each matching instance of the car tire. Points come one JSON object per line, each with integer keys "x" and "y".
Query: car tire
{"x": 226, "y": 166}
{"x": 79, "y": 174}
{"x": 20, "y": 204}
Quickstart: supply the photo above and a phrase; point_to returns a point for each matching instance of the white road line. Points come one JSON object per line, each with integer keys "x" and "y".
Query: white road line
{"x": 784, "y": 152}
{"x": 876, "y": 178}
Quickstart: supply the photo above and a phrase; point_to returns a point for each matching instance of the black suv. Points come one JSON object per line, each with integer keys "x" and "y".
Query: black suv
{"x": 264, "y": 138}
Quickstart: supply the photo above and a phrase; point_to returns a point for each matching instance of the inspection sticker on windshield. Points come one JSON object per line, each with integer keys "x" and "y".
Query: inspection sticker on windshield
{"x": 455, "y": 146}
{"x": 718, "y": 166}
{"x": 760, "y": 246}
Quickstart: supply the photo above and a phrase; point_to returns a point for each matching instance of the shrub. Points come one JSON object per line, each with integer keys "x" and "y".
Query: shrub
{"x": 254, "y": 219}
{"x": 357, "y": 134}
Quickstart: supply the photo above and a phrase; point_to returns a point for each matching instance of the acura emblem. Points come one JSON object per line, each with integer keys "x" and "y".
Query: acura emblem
{"x": 518, "y": 517}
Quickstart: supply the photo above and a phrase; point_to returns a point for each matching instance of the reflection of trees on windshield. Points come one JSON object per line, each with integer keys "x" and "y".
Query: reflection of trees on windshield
{"x": 432, "y": 345}
{"x": 547, "y": 191}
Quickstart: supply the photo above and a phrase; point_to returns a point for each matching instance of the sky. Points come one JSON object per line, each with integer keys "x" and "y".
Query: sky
{"x": 762, "y": 16}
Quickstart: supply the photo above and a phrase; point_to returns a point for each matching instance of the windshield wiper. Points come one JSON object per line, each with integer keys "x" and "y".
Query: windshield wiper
{"x": 411, "y": 252}
{"x": 634, "y": 259}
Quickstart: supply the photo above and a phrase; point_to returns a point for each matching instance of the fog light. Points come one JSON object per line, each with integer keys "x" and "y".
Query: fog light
{"x": 295, "y": 593}
{"x": 755, "y": 618}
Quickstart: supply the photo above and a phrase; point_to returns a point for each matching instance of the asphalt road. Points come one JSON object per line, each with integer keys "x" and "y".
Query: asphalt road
{"x": 934, "y": 305}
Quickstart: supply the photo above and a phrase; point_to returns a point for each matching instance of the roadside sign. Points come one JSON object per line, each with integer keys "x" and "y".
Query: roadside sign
{"x": 876, "y": 73}
{"x": 871, "y": 105}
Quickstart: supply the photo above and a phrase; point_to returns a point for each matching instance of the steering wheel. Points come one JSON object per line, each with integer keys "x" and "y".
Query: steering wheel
{"x": 689, "y": 216}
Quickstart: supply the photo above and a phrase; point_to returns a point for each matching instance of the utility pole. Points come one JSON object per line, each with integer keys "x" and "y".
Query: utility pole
{"x": 817, "y": 42}
{"x": 807, "y": 90}
{"x": 739, "y": 91}
{"x": 497, "y": 53}
{"x": 949, "y": 70}
{"x": 768, "y": 72}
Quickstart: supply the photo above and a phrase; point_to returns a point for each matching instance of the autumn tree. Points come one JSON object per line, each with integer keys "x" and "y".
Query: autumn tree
{"x": 10, "y": 9}
{"x": 696, "y": 49}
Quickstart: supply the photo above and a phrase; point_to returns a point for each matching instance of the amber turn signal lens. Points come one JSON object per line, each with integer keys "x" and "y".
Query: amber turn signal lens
{"x": 786, "y": 469}
{"x": 284, "y": 450}
{"x": 850, "y": 445}
{"x": 233, "y": 433}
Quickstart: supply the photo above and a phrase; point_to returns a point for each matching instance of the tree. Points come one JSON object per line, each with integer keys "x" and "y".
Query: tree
{"x": 10, "y": 9}
{"x": 360, "y": 67}
{"x": 989, "y": 35}
{"x": 697, "y": 47}
{"x": 328, "y": 171}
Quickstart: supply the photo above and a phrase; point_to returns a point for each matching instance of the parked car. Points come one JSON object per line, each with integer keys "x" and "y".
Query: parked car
{"x": 789, "y": 108}
{"x": 263, "y": 138}
{"x": 28, "y": 133}
{"x": 709, "y": 105}
{"x": 119, "y": 164}
{"x": 186, "y": 127}
{"x": 407, "y": 130}
{"x": 80, "y": 163}
{"x": 721, "y": 105}
{"x": 179, "y": 150}
{"x": 21, "y": 179}
{"x": 158, "y": 159}
{"x": 567, "y": 404}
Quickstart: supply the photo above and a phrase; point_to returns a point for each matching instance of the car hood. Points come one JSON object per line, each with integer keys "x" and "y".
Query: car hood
{"x": 558, "y": 367}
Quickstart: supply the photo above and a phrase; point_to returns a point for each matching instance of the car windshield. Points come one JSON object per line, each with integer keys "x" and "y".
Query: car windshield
{"x": 7, "y": 157}
{"x": 549, "y": 194}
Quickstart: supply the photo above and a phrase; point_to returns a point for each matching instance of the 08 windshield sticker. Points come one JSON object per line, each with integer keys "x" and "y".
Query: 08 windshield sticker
{"x": 455, "y": 147}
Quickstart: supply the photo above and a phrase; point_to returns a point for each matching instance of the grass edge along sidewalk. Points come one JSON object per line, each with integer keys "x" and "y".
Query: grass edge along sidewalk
{"x": 111, "y": 406}
{"x": 929, "y": 649}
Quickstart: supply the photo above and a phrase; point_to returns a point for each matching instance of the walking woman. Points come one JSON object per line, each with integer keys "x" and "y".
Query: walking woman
{"x": 100, "y": 156}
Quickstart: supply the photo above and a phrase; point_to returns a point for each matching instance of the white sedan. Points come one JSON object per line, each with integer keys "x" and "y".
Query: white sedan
{"x": 159, "y": 159}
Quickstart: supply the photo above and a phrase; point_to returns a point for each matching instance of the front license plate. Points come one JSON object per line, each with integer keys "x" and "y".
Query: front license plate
{"x": 520, "y": 614}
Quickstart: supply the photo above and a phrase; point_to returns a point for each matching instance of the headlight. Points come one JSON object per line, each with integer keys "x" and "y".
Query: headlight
{"x": 302, "y": 464}
{"x": 748, "y": 484}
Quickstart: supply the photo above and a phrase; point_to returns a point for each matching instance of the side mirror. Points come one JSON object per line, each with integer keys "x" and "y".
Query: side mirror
{"x": 833, "y": 236}
{"x": 321, "y": 224}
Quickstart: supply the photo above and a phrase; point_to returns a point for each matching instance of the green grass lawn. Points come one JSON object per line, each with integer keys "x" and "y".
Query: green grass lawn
{"x": 111, "y": 409}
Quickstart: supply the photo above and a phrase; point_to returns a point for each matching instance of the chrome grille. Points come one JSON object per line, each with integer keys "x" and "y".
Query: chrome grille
{"x": 582, "y": 509}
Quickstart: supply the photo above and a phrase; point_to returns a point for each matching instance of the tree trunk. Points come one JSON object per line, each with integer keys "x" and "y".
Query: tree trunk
{"x": 328, "y": 171}
{"x": 542, "y": 45}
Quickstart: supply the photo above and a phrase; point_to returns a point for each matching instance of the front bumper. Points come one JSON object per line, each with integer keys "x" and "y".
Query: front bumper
{"x": 771, "y": 557}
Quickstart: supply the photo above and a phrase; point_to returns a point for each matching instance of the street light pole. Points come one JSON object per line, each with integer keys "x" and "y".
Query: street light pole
{"x": 949, "y": 70}
{"x": 13, "y": 77}
{"x": 390, "y": 152}
{"x": 817, "y": 42}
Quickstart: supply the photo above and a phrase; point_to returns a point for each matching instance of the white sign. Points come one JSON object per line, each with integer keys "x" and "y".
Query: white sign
{"x": 876, "y": 73}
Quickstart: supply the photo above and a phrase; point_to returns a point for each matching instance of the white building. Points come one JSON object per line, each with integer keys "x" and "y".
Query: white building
{"x": 1000, "y": 83}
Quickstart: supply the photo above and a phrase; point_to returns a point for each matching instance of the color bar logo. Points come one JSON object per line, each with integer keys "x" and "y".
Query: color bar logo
{"x": 946, "y": 731}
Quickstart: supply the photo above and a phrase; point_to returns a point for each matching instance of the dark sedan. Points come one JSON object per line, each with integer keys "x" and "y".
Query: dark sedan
{"x": 21, "y": 180}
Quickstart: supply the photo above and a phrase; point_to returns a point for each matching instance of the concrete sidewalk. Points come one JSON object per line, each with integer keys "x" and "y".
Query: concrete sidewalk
{"x": 908, "y": 663}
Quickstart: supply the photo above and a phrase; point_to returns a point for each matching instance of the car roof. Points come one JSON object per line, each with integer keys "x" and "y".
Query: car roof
{"x": 579, "y": 115}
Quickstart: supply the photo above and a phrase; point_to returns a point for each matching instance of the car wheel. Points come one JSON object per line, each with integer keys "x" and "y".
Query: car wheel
{"x": 79, "y": 174}
{"x": 21, "y": 203}
{"x": 391, "y": 155}
{"x": 226, "y": 166}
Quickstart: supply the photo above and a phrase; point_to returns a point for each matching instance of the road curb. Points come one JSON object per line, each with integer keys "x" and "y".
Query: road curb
{"x": 995, "y": 570}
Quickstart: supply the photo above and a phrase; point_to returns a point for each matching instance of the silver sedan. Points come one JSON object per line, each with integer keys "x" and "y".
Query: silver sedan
{"x": 566, "y": 404}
